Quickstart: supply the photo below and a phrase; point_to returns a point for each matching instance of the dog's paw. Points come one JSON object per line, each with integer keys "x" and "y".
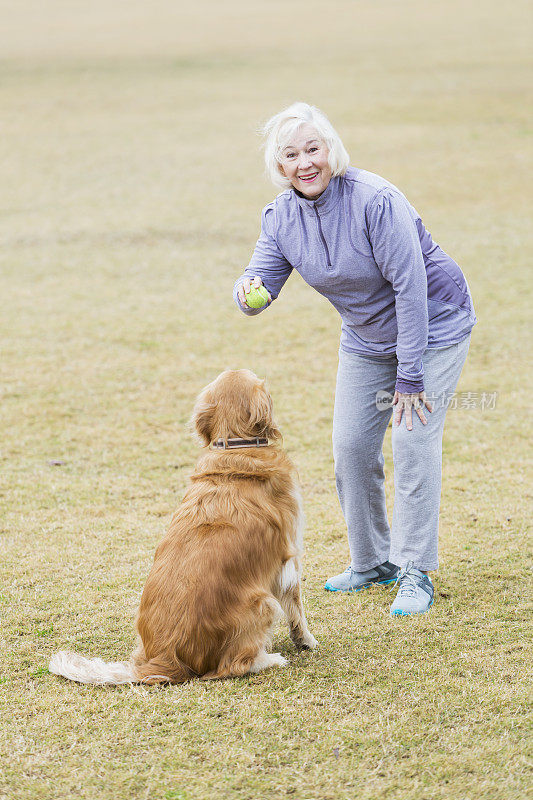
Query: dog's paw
{"x": 266, "y": 660}
{"x": 308, "y": 642}
{"x": 277, "y": 660}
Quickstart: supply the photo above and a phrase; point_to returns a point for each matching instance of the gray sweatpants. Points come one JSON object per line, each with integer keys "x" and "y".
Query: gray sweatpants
{"x": 358, "y": 431}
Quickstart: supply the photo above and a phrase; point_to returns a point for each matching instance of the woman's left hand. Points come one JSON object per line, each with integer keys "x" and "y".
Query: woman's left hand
{"x": 406, "y": 402}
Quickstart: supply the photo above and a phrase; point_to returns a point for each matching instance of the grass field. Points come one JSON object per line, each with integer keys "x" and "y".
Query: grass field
{"x": 130, "y": 198}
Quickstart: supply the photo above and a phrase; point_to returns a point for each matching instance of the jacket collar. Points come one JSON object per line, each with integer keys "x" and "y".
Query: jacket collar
{"x": 327, "y": 200}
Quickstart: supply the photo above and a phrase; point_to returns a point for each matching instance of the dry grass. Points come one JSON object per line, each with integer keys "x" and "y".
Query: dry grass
{"x": 131, "y": 193}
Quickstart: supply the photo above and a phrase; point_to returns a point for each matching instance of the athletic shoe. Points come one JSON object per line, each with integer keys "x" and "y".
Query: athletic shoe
{"x": 415, "y": 595}
{"x": 352, "y": 581}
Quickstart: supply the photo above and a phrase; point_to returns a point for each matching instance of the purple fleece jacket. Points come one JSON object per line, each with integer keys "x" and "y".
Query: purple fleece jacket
{"x": 364, "y": 247}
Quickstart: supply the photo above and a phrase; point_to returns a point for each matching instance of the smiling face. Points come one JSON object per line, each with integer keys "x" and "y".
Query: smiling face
{"x": 304, "y": 161}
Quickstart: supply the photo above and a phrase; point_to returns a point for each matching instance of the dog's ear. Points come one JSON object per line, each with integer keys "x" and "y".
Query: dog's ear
{"x": 203, "y": 417}
{"x": 273, "y": 432}
{"x": 261, "y": 418}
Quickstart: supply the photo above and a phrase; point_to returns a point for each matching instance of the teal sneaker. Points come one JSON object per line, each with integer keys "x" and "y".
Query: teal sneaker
{"x": 352, "y": 581}
{"x": 415, "y": 595}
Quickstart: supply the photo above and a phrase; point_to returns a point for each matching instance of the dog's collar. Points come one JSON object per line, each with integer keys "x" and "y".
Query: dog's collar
{"x": 233, "y": 444}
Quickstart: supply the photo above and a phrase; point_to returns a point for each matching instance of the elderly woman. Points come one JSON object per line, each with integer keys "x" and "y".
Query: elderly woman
{"x": 406, "y": 314}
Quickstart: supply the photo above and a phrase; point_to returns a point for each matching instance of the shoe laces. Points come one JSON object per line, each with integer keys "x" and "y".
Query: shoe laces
{"x": 408, "y": 585}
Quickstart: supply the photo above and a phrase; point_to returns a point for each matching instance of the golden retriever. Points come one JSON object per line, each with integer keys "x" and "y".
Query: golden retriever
{"x": 231, "y": 559}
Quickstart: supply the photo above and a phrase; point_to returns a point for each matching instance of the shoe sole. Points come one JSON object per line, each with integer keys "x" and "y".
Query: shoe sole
{"x": 329, "y": 588}
{"x": 400, "y": 613}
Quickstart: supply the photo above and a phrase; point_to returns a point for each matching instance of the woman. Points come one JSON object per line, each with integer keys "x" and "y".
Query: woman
{"x": 406, "y": 317}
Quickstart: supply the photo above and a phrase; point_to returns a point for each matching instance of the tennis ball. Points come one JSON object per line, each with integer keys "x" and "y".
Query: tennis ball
{"x": 257, "y": 297}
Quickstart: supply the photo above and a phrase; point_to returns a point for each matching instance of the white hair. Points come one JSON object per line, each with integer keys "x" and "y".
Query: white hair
{"x": 280, "y": 129}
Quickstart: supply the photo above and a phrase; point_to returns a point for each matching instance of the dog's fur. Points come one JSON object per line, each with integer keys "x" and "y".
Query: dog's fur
{"x": 231, "y": 557}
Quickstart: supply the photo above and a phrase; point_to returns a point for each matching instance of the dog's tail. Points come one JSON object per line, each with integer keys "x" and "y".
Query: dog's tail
{"x": 98, "y": 672}
{"x": 92, "y": 670}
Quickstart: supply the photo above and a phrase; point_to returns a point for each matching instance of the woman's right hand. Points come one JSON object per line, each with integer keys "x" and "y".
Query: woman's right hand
{"x": 244, "y": 289}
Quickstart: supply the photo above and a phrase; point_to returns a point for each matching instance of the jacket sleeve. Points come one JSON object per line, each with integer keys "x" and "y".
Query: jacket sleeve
{"x": 268, "y": 262}
{"x": 398, "y": 254}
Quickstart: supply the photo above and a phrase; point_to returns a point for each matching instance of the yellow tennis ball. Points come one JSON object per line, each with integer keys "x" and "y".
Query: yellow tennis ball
{"x": 257, "y": 297}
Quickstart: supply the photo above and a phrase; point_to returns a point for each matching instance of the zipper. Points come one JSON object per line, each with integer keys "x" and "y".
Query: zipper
{"x": 328, "y": 259}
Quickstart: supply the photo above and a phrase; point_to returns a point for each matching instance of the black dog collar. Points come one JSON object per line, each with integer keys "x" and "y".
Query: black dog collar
{"x": 234, "y": 444}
